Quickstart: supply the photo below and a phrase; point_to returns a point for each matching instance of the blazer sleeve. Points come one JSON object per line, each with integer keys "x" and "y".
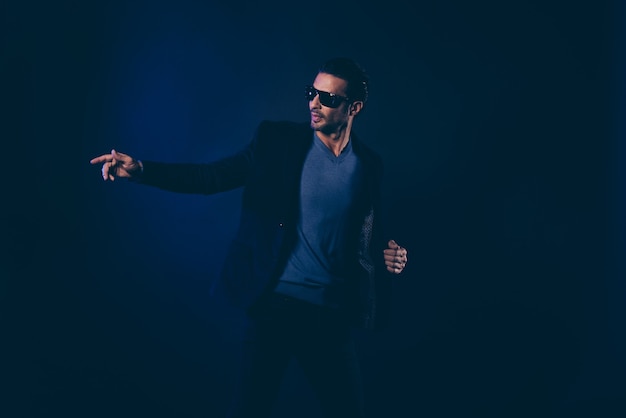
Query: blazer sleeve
{"x": 219, "y": 176}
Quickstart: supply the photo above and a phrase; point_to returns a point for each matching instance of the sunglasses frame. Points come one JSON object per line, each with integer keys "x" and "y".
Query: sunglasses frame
{"x": 327, "y": 99}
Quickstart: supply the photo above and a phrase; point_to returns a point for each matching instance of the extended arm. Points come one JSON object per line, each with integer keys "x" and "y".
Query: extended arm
{"x": 222, "y": 175}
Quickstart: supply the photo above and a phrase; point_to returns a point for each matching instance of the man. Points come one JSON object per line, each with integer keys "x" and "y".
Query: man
{"x": 305, "y": 262}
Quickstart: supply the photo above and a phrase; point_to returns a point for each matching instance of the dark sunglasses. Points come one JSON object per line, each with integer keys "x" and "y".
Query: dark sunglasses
{"x": 327, "y": 99}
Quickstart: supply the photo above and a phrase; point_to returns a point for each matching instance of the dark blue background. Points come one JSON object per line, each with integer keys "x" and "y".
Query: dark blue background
{"x": 500, "y": 124}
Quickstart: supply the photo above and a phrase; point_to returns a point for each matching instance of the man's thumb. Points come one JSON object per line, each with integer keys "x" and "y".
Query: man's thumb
{"x": 392, "y": 244}
{"x": 118, "y": 156}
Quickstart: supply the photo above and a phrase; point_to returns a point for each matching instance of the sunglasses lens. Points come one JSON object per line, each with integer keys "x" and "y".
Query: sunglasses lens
{"x": 310, "y": 92}
{"x": 326, "y": 99}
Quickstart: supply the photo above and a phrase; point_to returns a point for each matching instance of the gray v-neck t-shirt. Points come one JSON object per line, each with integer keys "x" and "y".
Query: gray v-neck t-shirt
{"x": 328, "y": 189}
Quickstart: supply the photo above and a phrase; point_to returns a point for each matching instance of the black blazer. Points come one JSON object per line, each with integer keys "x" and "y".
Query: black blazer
{"x": 269, "y": 169}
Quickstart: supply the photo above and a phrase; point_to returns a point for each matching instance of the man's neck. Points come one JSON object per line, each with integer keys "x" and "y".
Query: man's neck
{"x": 337, "y": 141}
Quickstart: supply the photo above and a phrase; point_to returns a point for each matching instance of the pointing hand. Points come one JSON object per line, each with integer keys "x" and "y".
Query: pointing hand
{"x": 117, "y": 165}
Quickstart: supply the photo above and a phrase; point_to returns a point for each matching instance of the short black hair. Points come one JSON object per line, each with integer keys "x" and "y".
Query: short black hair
{"x": 349, "y": 70}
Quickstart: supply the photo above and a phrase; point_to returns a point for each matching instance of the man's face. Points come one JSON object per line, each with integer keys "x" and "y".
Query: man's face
{"x": 326, "y": 119}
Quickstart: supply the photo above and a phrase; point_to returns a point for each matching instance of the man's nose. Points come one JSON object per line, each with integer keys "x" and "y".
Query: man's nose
{"x": 315, "y": 102}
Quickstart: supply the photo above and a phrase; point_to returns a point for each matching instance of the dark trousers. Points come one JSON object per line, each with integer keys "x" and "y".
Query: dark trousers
{"x": 320, "y": 340}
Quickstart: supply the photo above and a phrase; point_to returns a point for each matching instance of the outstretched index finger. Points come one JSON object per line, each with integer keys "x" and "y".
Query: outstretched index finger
{"x": 101, "y": 159}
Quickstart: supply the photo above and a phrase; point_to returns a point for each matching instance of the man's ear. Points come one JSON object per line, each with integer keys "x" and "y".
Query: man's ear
{"x": 355, "y": 108}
